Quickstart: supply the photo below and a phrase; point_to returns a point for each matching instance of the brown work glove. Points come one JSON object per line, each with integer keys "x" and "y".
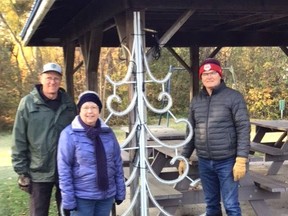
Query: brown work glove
{"x": 24, "y": 183}
{"x": 181, "y": 167}
{"x": 239, "y": 168}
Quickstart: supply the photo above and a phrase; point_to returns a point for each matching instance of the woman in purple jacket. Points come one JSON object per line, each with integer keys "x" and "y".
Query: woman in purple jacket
{"x": 89, "y": 162}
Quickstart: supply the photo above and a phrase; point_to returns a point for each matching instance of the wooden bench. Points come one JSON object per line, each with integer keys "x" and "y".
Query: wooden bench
{"x": 266, "y": 149}
{"x": 159, "y": 190}
{"x": 274, "y": 154}
{"x": 162, "y": 191}
{"x": 162, "y": 133}
{"x": 268, "y": 182}
{"x": 125, "y": 158}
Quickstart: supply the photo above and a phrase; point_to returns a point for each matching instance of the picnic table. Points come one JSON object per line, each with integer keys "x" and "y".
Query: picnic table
{"x": 254, "y": 187}
{"x": 271, "y": 140}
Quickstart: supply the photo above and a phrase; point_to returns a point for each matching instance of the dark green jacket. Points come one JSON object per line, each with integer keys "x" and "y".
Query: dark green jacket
{"x": 35, "y": 135}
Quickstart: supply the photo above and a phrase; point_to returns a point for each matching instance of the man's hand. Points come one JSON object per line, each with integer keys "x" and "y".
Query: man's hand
{"x": 181, "y": 167}
{"x": 24, "y": 183}
{"x": 239, "y": 169}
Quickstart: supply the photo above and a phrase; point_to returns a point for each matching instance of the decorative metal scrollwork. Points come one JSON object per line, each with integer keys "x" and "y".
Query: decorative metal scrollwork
{"x": 141, "y": 103}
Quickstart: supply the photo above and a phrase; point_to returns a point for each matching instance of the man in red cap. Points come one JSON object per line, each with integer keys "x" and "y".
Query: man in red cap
{"x": 221, "y": 138}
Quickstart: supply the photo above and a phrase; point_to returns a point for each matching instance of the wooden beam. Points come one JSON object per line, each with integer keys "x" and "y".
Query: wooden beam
{"x": 175, "y": 27}
{"x": 120, "y": 21}
{"x": 244, "y": 22}
{"x": 93, "y": 15}
{"x": 220, "y": 5}
{"x": 78, "y": 66}
{"x": 69, "y": 54}
{"x": 91, "y": 47}
{"x": 213, "y": 39}
{"x": 213, "y": 54}
{"x": 194, "y": 55}
{"x": 179, "y": 59}
{"x": 285, "y": 50}
{"x": 222, "y": 26}
{"x": 171, "y": 31}
{"x": 267, "y": 23}
{"x": 124, "y": 26}
{"x": 222, "y": 39}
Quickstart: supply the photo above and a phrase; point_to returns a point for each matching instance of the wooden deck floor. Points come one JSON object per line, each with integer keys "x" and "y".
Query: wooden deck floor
{"x": 278, "y": 206}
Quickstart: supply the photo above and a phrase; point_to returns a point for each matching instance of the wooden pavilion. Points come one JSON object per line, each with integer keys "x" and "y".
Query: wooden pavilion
{"x": 92, "y": 24}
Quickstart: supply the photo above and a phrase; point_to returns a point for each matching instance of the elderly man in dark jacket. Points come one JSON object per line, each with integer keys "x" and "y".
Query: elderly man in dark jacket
{"x": 40, "y": 118}
{"x": 221, "y": 138}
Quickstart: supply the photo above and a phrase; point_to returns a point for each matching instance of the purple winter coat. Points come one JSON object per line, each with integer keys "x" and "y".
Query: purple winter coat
{"x": 77, "y": 166}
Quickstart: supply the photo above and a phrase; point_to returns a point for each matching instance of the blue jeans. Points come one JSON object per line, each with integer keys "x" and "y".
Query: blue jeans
{"x": 217, "y": 180}
{"x": 87, "y": 207}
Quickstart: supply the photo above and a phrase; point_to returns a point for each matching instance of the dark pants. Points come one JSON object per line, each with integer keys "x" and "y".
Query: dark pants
{"x": 40, "y": 198}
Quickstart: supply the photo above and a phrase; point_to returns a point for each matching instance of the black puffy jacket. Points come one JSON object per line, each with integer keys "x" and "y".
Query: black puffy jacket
{"x": 221, "y": 125}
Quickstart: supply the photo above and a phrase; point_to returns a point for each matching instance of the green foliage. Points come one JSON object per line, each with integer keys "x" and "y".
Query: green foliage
{"x": 260, "y": 72}
{"x": 261, "y": 77}
{"x": 19, "y": 66}
{"x": 113, "y": 64}
{"x": 8, "y": 89}
{"x": 180, "y": 81}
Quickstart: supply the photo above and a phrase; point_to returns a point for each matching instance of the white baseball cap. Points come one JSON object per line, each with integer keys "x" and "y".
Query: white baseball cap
{"x": 52, "y": 67}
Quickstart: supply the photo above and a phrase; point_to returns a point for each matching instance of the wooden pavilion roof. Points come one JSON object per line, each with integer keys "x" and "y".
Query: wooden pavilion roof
{"x": 210, "y": 22}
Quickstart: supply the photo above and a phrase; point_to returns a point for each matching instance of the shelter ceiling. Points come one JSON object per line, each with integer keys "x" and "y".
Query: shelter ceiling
{"x": 212, "y": 23}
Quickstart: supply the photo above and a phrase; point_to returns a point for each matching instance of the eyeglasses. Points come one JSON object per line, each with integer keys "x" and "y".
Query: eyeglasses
{"x": 213, "y": 74}
{"x": 86, "y": 108}
{"x": 55, "y": 79}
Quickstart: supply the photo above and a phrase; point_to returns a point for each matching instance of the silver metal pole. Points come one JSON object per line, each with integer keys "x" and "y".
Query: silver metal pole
{"x": 141, "y": 113}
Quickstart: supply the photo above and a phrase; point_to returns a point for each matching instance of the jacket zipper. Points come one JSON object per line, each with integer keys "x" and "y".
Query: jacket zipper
{"x": 207, "y": 126}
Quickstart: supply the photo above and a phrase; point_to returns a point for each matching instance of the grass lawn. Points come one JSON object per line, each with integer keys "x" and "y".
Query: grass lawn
{"x": 5, "y": 153}
{"x": 13, "y": 201}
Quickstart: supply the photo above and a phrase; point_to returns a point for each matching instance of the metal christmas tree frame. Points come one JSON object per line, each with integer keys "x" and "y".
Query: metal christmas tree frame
{"x": 138, "y": 64}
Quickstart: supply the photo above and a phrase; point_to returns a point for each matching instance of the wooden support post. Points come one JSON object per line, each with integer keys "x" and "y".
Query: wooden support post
{"x": 91, "y": 45}
{"x": 69, "y": 54}
{"x": 194, "y": 55}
